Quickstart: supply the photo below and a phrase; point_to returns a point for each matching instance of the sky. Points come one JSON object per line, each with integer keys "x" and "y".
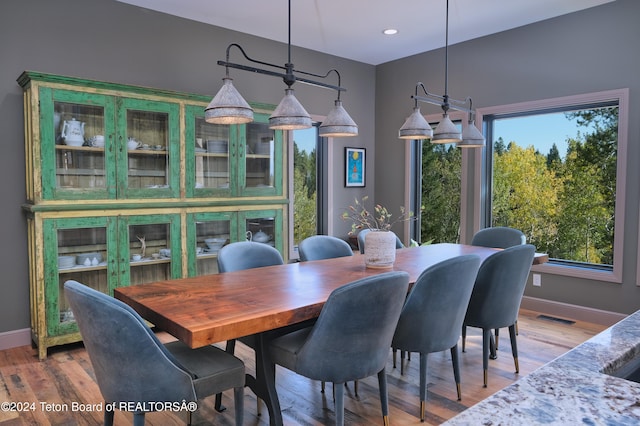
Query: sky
{"x": 541, "y": 131}
{"x": 305, "y": 139}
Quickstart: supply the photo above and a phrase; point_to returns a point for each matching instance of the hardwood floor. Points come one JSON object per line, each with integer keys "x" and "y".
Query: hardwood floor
{"x": 47, "y": 389}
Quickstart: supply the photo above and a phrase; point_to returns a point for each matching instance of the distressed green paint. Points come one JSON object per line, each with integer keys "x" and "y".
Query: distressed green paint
{"x": 116, "y": 207}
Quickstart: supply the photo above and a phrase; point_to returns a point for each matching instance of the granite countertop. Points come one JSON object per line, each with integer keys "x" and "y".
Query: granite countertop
{"x": 572, "y": 389}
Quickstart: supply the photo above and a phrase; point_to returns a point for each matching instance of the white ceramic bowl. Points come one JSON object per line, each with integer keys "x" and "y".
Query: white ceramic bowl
{"x": 214, "y": 243}
{"x": 97, "y": 141}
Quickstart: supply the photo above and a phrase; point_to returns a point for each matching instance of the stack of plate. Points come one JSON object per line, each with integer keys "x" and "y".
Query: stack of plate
{"x": 218, "y": 147}
{"x": 66, "y": 262}
{"x": 263, "y": 148}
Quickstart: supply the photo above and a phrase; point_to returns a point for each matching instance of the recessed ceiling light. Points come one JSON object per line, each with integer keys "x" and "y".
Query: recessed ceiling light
{"x": 390, "y": 31}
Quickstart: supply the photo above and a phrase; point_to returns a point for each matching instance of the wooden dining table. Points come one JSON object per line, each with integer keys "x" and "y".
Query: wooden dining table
{"x": 214, "y": 308}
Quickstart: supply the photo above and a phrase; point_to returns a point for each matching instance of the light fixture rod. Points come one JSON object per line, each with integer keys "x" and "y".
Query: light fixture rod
{"x": 284, "y": 76}
{"x": 439, "y": 100}
{"x": 446, "y": 60}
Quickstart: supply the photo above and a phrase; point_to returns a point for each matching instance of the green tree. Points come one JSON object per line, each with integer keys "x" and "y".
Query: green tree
{"x": 304, "y": 194}
{"x": 441, "y": 177}
{"x": 525, "y": 194}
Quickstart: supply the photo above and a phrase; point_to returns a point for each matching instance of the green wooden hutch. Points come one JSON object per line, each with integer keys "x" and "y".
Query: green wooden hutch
{"x": 136, "y": 197}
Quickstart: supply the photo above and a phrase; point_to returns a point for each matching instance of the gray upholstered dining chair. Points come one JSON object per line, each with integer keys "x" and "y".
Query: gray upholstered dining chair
{"x": 319, "y": 247}
{"x": 431, "y": 319}
{"x": 132, "y": 366}
{"x": 350, "y": 339}
{"x": 499, "y": 237}
{"x": 362, "y": 234}
{"x": 246, "y": 255}
{"x": 495, "y": 300}
{"x": 239, "y": 256}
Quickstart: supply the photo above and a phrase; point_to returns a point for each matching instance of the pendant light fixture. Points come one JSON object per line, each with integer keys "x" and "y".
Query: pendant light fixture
{"x": 229, "y": 107}
{"x": 416, "y": 127}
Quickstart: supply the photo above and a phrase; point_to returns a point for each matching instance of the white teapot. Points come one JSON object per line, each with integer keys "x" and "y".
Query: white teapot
{"x": 73, "y": 132}
{"x": 261, "y": 237}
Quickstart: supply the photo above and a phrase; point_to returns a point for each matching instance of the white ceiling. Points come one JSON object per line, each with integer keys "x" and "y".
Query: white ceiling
{"x": 353, "y": 28}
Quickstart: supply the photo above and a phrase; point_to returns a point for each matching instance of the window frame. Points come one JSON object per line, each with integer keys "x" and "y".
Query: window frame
{"x": 483, "y": 171}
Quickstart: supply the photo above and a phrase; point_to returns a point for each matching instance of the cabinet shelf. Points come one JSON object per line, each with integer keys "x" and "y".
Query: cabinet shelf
{"x": 150, "y": 261}
{"x": 80, "y": 172}
{"x": 147, "y": 152}
{"x": 79, "y": 148}
{"x": 211, "y": 155}
{"x": 82, "y": 268}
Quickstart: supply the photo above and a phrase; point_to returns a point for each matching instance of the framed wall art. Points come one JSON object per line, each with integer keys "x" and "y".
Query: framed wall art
{"x": 354, "y": 160}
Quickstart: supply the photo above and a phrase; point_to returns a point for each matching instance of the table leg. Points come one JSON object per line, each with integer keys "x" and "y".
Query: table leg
{"x": 264, "y": 384}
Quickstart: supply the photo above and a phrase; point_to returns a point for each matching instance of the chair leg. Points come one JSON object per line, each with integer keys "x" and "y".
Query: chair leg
{"x": 486, "y": 342}
{"x": 456, "y": 369}
{"x": 497, "y": 331}
{"x": 395, "y": 354}
{"x": 338, "y": 390}
{"x": 231, "y": 347}
{"x": 402, "y": 354}
{"x": 138, "y": 418}
{"x": 355, "y": 387}
{"x": 238, "y": 402}
{"x": 492, "y": 347}
{"x": 423, "y": 384}
{"x": 108, "y": 417}
{"x": 464, "y": 336}
{"x": 514, "y": 346}
{"x": 322, "y": 387}
{"x": 384, "y": 396}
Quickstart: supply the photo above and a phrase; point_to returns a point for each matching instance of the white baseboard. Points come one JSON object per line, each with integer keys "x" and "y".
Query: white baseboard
{"x": 15, "y": 338}
{"x": 573, "y": 312}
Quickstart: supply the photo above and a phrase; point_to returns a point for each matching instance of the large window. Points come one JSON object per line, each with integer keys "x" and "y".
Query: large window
{"x": 555, "y": 170}
{"x": 309, "y": 186}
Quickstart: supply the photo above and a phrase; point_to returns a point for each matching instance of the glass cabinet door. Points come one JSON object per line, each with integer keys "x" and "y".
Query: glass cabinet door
{"x": 207, "y": 233}
{"x": 208, "y": 155}
{"x": 76, "y": 145}
{"x": 261, "y": 168}
{"x": 148, "y": 148}
{"x": 262, "y": 226}
{"x": 149, "y": 248}
{"x": 79, "y": 251}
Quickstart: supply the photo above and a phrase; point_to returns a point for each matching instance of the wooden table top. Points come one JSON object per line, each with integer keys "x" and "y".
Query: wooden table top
{"x": 213, "y": 308}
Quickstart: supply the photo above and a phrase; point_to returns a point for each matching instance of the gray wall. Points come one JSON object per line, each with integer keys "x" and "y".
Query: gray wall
{"x": 588, "y": 51}
{"x": 110, "y": 41}
{"x": 105, "y": 40}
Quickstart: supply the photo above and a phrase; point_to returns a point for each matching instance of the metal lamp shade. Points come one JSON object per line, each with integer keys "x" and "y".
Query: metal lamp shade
{"x": 446, "y": 132}
{"x": 228, "y": 106}
{"x": 415, "y": 127}
{"x": 290, "y": 114}
{"x": 338, "y": 123}
{"x": 471, "y": 137}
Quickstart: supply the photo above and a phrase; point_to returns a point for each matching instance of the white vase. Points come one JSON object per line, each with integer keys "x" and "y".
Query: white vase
{"x": 379, "y": 249}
